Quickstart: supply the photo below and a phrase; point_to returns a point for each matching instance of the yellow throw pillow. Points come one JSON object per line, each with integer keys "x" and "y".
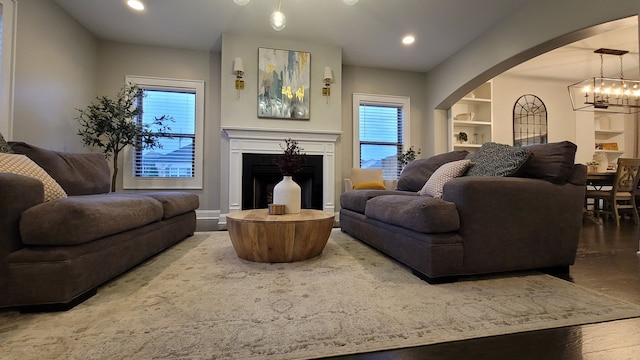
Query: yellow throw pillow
{"x": 369, "y": 185}
{"x": 22, "y": 165}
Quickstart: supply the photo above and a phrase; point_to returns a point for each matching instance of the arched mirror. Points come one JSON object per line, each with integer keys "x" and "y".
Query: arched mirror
{"x": 529, "y": 121}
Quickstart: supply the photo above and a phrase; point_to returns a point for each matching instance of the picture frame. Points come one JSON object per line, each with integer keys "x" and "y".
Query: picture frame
{"x": 284, "y": 84}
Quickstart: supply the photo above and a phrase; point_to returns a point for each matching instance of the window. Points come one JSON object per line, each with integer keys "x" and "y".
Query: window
{"x": 380, "y": 123}
{"x": 178, "y": 163}
{"x": 7, "y": 25}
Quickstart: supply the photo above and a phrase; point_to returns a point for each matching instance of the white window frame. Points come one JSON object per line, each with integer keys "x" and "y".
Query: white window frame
{"x": 129, "y": 181}
{"x": 7, "y": 72}
{"x": 374, "y": 99}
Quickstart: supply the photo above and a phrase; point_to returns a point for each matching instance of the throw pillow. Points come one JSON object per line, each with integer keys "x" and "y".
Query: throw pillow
{"x": 434, "y": 186}
{"x": 4, "y": 147}
{"x": 369, "y": 185}
{"x": 417, "y": 172}
{"x": 22, "y": 165}
{"x": 493, "y": 159}
{"x": 552, "y": 162}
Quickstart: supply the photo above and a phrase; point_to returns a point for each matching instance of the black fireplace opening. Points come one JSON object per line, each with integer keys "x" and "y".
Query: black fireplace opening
{"x": 260, "y": 174}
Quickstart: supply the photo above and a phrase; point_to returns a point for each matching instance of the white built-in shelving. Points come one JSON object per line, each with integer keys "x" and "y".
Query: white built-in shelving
{"x": 473, "y": 115}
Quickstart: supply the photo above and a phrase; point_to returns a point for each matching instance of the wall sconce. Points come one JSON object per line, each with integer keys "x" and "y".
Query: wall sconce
{"x": 238, "y": 69}
{"x": 328, "y": 79}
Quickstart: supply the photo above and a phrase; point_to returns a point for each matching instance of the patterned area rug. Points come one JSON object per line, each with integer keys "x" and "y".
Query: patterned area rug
{"x": 198, "y": 300}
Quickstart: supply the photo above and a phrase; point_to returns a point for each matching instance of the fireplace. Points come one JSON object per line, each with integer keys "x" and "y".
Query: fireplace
{"x": 260, "y": 175}
{"x": 320, "y": 143}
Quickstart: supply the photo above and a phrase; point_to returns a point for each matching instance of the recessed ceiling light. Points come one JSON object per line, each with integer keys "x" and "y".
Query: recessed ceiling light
{"x": 350, "y": 2}
{"x": 408, "y": 40}
{"x": 136, "y": 4}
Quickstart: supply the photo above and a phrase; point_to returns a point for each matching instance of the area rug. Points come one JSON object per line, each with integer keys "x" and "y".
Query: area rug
{"x": 198, "y": 300}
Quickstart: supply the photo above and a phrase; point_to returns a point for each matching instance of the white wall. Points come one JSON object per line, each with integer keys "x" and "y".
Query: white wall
{"x": 560, "y": 115}
{"x": 116, "y": 60}
{"x": 55, "y": 73}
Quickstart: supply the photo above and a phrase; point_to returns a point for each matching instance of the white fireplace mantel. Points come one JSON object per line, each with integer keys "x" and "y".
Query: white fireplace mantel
{"x": 270, "y": 141}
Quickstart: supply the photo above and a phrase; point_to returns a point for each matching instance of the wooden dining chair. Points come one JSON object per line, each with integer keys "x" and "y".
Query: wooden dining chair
{"x": 622, "y": 195}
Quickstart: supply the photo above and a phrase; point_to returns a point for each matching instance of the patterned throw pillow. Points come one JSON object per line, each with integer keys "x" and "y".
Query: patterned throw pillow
{"x": 22, "y": 165}
{"x": 417, "y": 172}
{"x": 4, "y": 147}
{"x": 493, "y": 159}
{"x": 434, "y": 186}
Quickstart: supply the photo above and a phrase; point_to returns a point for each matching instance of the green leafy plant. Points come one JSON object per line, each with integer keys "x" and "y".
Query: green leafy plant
{"x": 462, "y": 136}
{"x": 111, "y": 125}
{"x": 291, "y": 160}
{"x": 408, "y": 156}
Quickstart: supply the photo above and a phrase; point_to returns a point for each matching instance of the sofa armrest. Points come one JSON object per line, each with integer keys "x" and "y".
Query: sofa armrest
{"x": 390, "y": 184}
{"x": 348, "y": 184}
{"x": 18, "y": 194}
{"x": 514, "y": 218}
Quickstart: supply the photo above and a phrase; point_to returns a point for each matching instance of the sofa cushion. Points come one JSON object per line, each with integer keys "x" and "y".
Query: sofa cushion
{"x": 493, "y": 159}
{"x": 356, "y": 200}
{"x": 433, "y": 186}
{"x": 418, "y": 213}
{"x": 175, "y": 202}
{"x": 417, "y": 172}
{"x": 80, "y": 219}
{"x": 22, "y": 165}
{"x": 552, "y": 162}
{"x": 77, "y": 173}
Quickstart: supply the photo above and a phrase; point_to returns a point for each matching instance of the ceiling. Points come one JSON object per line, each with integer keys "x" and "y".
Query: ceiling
{"x": 368, "y": 32}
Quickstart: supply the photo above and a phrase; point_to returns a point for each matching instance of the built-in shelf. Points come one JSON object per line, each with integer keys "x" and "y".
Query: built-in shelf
{"x": 609, "y": 132}
{"x": 460, "y": 146}
{"x": 479, "y": 105}
{"x": 471, "y": 123}
{"x": 619, "y": 151}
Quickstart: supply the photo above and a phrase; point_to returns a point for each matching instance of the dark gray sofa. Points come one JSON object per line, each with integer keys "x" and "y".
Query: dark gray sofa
{"x": 481, "y": 224}
{"x": 54, "y": 254}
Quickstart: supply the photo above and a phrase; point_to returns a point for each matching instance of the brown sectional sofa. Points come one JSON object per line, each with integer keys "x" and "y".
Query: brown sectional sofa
{"x": 482, "y": 224}
{"x": 55, "y": 254}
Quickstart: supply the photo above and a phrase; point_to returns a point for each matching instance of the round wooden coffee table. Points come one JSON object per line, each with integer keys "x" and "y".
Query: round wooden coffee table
{"x": 258, "y": 236}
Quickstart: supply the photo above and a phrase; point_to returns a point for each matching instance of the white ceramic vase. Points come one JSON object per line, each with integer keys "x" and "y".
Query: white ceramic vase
{"x": 287, "y": 192}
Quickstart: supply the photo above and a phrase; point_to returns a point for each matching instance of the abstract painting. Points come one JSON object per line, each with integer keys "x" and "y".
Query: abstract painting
{"x": 283, "y": 88}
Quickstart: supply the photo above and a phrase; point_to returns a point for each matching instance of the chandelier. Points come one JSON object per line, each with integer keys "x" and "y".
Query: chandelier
{"x": 604, "y": 94}
{"x": 277, "y": 19}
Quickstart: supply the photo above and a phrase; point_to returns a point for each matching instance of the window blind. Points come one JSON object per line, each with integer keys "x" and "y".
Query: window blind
{"x": 381, "y": 138}
{"x": 176, "y": 156}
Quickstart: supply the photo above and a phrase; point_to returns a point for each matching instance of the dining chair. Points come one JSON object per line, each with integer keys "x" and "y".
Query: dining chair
{"x": 622, "y": 195}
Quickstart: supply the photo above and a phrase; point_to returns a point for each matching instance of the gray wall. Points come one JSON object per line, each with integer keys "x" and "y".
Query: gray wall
{"x": 55, "y": 73}
{"x": 365, "y": 80}
{"x": 116, "y": 60}
{"x": 59, "y": 71}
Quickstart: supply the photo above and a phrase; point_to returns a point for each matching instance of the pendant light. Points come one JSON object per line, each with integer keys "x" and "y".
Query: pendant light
{"x": 278, "y": 20}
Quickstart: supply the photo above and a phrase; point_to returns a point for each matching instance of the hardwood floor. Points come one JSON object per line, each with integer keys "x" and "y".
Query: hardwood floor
{"x": 608, "y": 262}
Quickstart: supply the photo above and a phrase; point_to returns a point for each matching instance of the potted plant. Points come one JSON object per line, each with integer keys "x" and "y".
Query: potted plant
{"x": 111, "y": 125}
{"x": 287, "y": 191}
{"x": 408, "y": 156}
{"x": 592, "y": 166}
{"x": 292, "y": 158}
{"x": 462, "y": 136}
